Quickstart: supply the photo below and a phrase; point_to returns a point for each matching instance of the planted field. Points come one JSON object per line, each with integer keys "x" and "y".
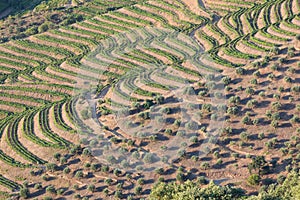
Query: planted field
{"x": 104, "y": 99}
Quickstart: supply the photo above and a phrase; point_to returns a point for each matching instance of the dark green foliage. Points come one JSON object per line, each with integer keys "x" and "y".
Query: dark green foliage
{"x": 24, "y": 193}
{"x": 254, "y": 179}
{"x": 190, "y": 190}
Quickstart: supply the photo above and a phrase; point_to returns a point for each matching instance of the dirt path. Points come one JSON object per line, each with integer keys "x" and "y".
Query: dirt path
{"x": 47, "y": 97}
{"x": 44, "y": 153}
{"x": 124, "y": 19}
{"x": 34, "y": 58}
{"x": 231, "y": 58}
{"x": 10, "y": 108}
{"x": 62, "y": 133}
{"x": 50, "y": 79}
{"x": 66, "y": 119}
{"x": 6, "y": 148}
{"x": 197, "y": 7}
{"x": 19, "y": 60}
{"x": 21, "y": 101}
{"x": 48, "y": 53}
{"x": 53, "y": 44}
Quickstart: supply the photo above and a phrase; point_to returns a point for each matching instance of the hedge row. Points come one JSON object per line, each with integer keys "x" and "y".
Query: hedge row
{"x": 14, "y": 143}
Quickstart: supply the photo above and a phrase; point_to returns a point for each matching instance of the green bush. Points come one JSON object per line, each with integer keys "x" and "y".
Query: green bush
{"x": 254, "y": 179}
{"x": 43, "y": 28}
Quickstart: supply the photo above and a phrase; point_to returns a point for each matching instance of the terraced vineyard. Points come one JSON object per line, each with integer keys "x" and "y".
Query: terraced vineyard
{"x": 139, "y": 92}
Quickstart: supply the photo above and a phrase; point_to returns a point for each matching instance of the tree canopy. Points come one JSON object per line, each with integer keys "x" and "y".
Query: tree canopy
{"x": 288, "y": 190}
{"x": 190, "y": 190}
